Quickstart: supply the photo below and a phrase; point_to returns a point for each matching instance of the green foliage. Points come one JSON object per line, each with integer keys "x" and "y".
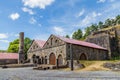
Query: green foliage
{"x": 77, "y": 34}
{"x": 67, "y": 36}
{"x": 87, "y": 32}
{"x": 14, "y": 46}
{"x": 3, "y": 51}
{"x": 100, "y": 25}
{"x": 95, "y": 27}
{"x": 27, "y": 43}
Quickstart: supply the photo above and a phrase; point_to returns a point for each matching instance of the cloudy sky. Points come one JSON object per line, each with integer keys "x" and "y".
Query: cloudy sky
{"x": 40, "y": 18}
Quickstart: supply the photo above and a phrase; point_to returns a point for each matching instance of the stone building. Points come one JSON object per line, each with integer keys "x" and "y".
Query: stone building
{"x": 8, "y": 58}
{"x": 108, "y": 38}
{"x": 56, "y": 51}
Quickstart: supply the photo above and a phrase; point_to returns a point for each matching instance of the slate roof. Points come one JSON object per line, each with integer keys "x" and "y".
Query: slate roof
{"x": 9, "y": 55}
{"x": 40, "y": 43}
{"x": 82, "y": 43}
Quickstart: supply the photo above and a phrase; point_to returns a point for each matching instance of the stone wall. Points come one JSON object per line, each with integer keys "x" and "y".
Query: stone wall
{"x": 8, "y": 61}
{"x": 118, "y": 38}
{"x": 90, "y": 53}
{"x": 101, "y": 40}
{"x": 109, "y": 39}
{"x": 58, "y": 50}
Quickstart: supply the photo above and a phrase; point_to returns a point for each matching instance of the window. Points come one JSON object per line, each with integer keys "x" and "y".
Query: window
{"x": 36, "y": 46}
{"x": 47, "y": 43}
{"x": 56, "y": 41}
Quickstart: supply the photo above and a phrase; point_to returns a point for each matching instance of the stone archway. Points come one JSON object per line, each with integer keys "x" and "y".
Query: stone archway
{"x": 52, "y": 59}
{"x": 60, "y": 60}
{"x": 83, "y": 56}
{"x": 34, "y": 59}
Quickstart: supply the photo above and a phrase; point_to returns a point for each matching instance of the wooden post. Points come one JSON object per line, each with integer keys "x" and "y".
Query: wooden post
{"x": 71, "y": 57}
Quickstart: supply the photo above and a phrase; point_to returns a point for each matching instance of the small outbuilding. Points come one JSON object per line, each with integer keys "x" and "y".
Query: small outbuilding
{"x": 8, "y": 58}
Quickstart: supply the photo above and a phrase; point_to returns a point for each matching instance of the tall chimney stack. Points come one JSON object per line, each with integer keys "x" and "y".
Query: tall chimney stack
{"x": 21, "y": 48}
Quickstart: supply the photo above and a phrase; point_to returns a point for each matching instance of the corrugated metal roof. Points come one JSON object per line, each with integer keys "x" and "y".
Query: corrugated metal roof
{"x": 82, "y": 43}
{"x": 9, "y": 55}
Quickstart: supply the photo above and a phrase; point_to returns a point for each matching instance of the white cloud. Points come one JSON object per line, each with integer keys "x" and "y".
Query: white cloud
{"x": 28, "y": 10}
{"x": 14, "y": 16}
{"x": 3, "y": 36}
{"x": 101, "y": 1}
{"x": 5, "y": 41}
{"x": 32, "y": 20}
{"x": 89, "y": 19}
{"x": 58, "y": 29}
{"x": 37, "y": 3}
{"x": 16, "y": 35}
{"x": 81, "y": 13}
{"x": 94, "y": 14}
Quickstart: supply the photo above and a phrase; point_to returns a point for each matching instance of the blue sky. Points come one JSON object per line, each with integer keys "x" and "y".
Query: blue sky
{"x": 40, "y": 18}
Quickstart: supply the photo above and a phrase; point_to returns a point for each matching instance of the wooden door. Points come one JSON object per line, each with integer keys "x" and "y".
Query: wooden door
{"x": 60, "y": 60}
{"x": 52, "y": 59}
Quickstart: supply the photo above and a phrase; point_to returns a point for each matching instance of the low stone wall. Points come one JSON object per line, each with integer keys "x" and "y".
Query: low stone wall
{"x": 8, "y": 61}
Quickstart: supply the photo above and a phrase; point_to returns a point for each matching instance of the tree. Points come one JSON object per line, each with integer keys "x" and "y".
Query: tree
{"x": 108, "y": 22}
{"x": 77, "y": 34}
{"x": 67, "y": 36}
{"x": 93, "y": 28}
{"x": 87, "y": 32}
{"x": 14, "y": 46}
{"x": 27, "y": 43}
{"x": 117, "y": 19}
{"x": 100, "y": 25}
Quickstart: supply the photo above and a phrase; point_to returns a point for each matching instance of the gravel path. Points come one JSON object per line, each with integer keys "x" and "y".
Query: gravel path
{"x": 29, "y": 74}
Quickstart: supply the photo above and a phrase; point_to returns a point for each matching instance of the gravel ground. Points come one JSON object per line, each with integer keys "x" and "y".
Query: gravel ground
{"x": 30, "y": 74}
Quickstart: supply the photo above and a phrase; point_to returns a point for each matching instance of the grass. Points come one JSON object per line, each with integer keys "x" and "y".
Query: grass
{"x": 95, "y": 65}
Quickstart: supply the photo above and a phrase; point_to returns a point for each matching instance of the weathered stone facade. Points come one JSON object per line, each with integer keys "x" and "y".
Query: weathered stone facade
{"x": 56, "y": 51}
{"x": 89, "y": 53}
{"x": 108, "y": 38}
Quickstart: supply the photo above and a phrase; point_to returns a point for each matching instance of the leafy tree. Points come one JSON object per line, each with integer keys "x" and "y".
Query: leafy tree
{"x": 100, "y": 25}
{"x": 87, "y": 32}
{"x": 117, "y": 19}
{"x": 113, "y": 22}
{"x": 108, "y": 22}
{"x": 77, "y": 34}
{"x": 93, "y": 27}
{"x": 14, "y": 46}
{"x": 27, "y": 43}
{"x": 67, "y": 36}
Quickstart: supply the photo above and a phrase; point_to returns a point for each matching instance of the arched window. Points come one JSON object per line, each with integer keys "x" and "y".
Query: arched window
{"x": 83, "y": 56}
